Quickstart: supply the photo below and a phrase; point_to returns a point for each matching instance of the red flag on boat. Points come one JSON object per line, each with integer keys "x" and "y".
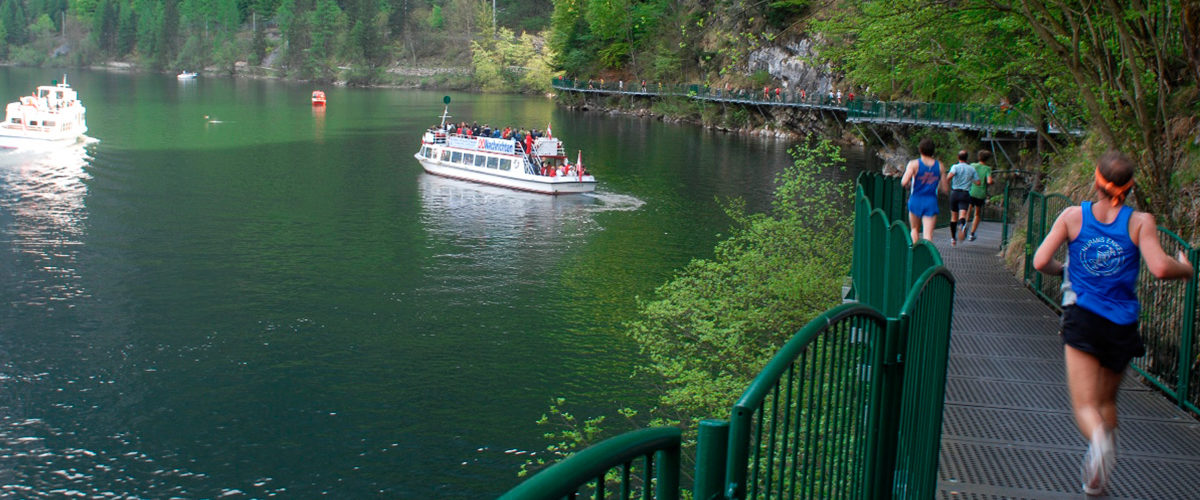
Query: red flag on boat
{"x": 579, "y": 164}
{"x": 548, "y": 134}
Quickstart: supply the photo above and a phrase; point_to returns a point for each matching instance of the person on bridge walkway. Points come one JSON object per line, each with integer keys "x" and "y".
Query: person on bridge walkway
{"x": 983, "y": 179}
{"x": 926, "y": 176}
{"x": 1100, "y": 307}
{"x": 961, "y": 177}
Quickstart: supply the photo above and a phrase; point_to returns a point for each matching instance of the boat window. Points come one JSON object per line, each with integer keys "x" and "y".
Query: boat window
{"x": 457, "y": 157}
{"x": 425, "y": 151}
{"x": 445, "y": 155}
{"x": 505, "y": 164}
{"x": 468, "y": 159}
{"x": 48, "y": 123}
{"x": 480, "y": 160}
{"x": 493, "y": 161}
{"x": 16, "y": 120}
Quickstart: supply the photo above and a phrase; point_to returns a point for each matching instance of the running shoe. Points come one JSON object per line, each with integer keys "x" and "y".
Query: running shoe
{"x": 1098, "y": 463}
{"x": 972, "y": 237}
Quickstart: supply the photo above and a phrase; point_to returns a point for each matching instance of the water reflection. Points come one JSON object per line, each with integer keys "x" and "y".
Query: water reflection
{"x": 318, "y": 113}
{"x": 42, "y": 212}
{"x": 500, "y": 223}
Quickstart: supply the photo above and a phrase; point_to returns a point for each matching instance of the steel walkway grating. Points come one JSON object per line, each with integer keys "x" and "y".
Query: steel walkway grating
{"x": 1008, "y": 431}
{"x": 1058, "y": 471}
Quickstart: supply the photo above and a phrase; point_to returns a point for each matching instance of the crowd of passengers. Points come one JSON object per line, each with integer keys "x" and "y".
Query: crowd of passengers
{"x": 524, "y": 137}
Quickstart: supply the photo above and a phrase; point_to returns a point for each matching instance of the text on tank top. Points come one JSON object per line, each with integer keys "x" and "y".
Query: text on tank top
{"x": 1103, "y": 266}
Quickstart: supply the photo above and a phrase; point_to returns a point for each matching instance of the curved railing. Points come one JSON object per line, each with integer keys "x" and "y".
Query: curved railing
{"x": 820, "y": 420}
{"x": 611, "y": 464}
{"x": 925, "y": 317}
{"x": 802, "y": 428}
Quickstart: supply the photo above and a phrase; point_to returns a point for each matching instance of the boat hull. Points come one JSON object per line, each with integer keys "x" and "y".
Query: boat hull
{"x": 13, "y": 137}
{"x": 514, "y": 180}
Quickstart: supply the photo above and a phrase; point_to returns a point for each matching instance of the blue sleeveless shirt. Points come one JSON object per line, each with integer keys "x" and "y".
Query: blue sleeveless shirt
{"x": 1103, "y": 266}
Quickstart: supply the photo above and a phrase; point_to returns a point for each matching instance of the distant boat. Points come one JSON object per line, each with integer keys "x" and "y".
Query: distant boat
{"x": 52, "y": 114}
{"x": 318, "y": 98}
{"x": 186, "y": 75}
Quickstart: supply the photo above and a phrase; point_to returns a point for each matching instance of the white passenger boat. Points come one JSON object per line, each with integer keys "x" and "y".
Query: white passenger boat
{"x": 53, "y": 114}
{"x": 186, "y": 75}
{"x": 545, "y": 168}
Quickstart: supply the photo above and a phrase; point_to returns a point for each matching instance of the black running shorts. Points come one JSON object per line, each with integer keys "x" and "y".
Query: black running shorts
{"x": 1114, "y": 345}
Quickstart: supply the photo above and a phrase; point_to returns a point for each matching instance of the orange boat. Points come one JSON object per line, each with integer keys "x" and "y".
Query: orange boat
{"x": 318, "y": 98}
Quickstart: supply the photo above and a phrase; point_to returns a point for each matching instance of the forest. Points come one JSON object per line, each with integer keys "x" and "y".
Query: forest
{"x": 354, "y": 41}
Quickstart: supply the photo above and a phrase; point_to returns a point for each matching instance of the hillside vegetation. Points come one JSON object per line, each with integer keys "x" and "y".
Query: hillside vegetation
{"x": 356, "y": 41}
{"x": 1128, "y": 69}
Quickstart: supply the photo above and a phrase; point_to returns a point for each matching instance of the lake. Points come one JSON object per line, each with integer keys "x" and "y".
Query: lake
{"x": 232, "y": 294}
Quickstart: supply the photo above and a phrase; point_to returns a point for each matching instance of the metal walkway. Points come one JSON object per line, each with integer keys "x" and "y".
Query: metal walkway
{"x": 1007, "y": 430}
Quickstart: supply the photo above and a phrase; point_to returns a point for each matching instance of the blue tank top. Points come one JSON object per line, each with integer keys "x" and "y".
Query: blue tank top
{"x": 925, "y": 181}
{"x": 1103, "y": 266}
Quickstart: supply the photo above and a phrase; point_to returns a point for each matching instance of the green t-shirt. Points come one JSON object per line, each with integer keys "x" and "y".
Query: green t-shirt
{"x": 981, "y": 173}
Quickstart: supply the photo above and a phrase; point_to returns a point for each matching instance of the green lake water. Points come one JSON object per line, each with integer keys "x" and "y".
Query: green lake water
{"x": 231, "y": 294}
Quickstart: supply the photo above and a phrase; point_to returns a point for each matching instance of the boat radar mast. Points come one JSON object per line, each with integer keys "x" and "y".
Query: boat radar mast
{"x": 445, "y": 112}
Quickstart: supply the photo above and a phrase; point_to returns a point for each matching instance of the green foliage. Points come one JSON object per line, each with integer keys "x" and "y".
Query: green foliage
{"x": 12, "y": 17}
{"x": 435, "y": 19}
{"x": 1118, "y": 66}
{"x": 506, "y": 63}
{"x": 711, "y": 328}
{"x": 568, "y": 435}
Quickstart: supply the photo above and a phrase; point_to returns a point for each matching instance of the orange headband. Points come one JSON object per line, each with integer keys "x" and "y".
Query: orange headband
{"x": 1117, "y": 193}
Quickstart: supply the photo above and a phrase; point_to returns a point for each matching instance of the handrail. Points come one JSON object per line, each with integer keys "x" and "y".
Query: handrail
{"x": 762, "y": 384}
{"x": 568, "y": 476}
{"x": 984, "y": 117}
{"x": 802, "y": 375}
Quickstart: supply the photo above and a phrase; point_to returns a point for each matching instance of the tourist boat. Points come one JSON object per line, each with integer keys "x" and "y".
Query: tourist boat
{"x": 545, "y": 168}
{"x": 318, "y": 98}
{"x": 52, "y": 114}
{"x": 186, "y": 75}
{"x": 504, "y": 162}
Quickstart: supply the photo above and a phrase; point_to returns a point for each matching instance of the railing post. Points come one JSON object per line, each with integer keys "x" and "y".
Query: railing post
{"x": 887, "y": 377}
{"x": 712, "y": 444}
{"x": 1041, "y": 235}
{"x": 667, "y": 487}
{"x": 1004, "y": 214}
{"x": 1029, "y": 236}
{"x": 1189, "y": 332}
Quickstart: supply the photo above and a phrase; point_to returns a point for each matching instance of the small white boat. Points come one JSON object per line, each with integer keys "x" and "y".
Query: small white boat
{"x": 186, "y": 75}
{"x": 52, "y": 114}
{"x": 544, "y": 168}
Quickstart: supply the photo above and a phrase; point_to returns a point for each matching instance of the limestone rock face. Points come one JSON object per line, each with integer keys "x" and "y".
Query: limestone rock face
{"x": 787, "y": 63}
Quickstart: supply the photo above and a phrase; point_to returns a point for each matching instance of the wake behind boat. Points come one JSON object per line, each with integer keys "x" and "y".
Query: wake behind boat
{"x": 535, "y": 164}
{"x": 53, "y": 114}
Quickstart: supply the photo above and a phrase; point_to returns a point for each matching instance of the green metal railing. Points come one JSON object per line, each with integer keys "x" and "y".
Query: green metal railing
{"x": 803, "y": 427}
{"x": 850, "y": 406}
{"x": 1042, "y": 210}
{"x": 1169, "y": 321}
{"x": 638, "y": 463}
{"x": 955, "y": 115}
